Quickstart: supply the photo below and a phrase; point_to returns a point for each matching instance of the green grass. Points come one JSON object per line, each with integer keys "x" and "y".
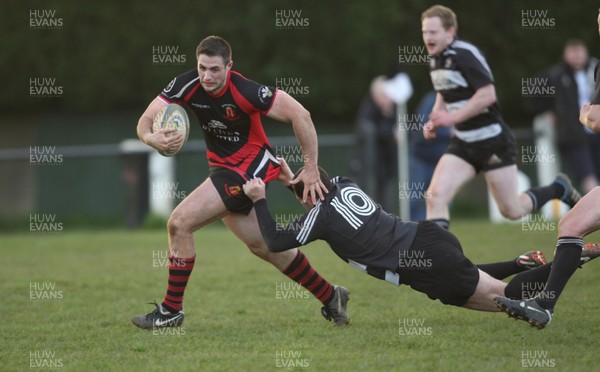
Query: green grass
{"x": 235, "y": 322}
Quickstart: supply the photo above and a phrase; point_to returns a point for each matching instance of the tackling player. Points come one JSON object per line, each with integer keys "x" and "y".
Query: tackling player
{"x": 579, "y": 222}
{"x": 482, "y": 142}
{"x": 228, "y": 107}
{"x": 422, "y": 255}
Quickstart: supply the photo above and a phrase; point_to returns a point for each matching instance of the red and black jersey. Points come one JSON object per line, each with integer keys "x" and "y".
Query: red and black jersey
{"x": 230, "y": 120}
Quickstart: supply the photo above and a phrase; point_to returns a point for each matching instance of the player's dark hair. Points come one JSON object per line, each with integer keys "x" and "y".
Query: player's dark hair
{"x": 214, "y": 46}
{"x": 299, "y": 187}
{"x": 446, "y": 15}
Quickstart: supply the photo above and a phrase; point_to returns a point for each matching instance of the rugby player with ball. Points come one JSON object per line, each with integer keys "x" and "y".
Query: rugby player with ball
{"x": 229, "y": 108}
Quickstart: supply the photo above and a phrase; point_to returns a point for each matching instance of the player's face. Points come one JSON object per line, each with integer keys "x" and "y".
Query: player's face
{"x": 435, "y": 37}
{"x": 213, "y": 72}
{"x": 598, "y": 23}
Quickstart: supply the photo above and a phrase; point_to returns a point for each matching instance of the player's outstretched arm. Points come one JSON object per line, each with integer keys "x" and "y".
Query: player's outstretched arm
{"x": 286, "y": 109}
{"x": 590, "y": 117}
{"x": 159, "y": 140}
{"x": 277, "y": 239}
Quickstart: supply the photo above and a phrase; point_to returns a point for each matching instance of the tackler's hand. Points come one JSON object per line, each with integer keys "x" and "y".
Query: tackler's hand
{"x": 254, "y": 189}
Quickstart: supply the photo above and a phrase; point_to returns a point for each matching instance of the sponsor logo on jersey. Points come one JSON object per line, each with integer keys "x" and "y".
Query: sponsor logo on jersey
{"x": 216, "y": 124}
{"x": 230, "y": 111}
{"x": 263, "y": 93}
{"x": 445, "y": 79}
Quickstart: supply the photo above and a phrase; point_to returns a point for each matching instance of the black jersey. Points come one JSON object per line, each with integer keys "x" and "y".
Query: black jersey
{"x": 596, "y": 97}
{"x": 456, "y": 74}
{"x": 358, "y": 230}
{"x": 230, "y": 120}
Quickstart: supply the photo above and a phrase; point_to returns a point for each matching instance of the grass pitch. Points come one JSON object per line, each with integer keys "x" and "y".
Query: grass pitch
{"x": 68, "y": 299}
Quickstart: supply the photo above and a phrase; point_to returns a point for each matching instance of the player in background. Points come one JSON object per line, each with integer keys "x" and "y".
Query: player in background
{"x": 228, "y": 107}
{"x": 422, "y": 255}
{"x": 482, "y": 142}
{"x": 579, "y": 222}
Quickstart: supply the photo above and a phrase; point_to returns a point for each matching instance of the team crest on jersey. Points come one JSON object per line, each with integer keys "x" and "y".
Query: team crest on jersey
{"x": 263, "y": 93}
{"x": 216, "y": 124}
{"x": 233, "y": 190}
{"x": 449, "y": 62}
{"x": 230, "y": 111}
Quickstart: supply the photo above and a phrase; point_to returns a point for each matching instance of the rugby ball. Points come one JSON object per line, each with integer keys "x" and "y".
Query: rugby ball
{"x": 174, "y": 117}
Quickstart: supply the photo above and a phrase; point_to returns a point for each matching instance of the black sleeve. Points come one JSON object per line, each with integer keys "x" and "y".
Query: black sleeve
{"x": 177, "y": 89}
{"x": 261, "y": 97}
{"x": 475, "y": 69}
{"x": 341, "y": 179}
{"x": 596, "y": 97}
{"x": 277, "y": 239}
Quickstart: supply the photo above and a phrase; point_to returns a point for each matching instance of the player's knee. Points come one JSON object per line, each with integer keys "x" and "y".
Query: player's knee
{"x": 176, "y": 224}
{"x": 510, "y": 213}
{"x": 259, "y": 249}
{"x": 435, "y": 197}
{"x": 569, "y": 226}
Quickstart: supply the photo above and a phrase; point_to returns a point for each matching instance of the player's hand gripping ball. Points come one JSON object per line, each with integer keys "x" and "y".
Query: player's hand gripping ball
{"x": 175, "y": 118}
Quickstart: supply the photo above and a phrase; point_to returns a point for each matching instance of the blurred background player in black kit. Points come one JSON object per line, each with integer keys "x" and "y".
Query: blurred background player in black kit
{"x": 482, "y": 142}
{"x": 573, "y": 80}
{"x": 422, "y": 255}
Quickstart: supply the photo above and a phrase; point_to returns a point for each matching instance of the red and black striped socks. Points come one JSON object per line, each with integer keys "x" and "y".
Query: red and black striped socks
{"x": 299, "y": 271}
{"x": 179, "y": 274}
{"x": 302, "y": 273}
